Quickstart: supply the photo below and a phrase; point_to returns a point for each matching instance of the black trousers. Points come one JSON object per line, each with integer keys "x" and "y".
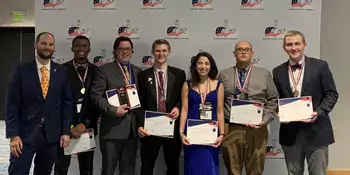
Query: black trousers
{"x": 150, "y": 147}
{"x": 85, "y": 159}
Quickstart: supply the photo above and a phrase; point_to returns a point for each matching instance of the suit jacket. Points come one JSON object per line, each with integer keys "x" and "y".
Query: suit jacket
{"x": 89, "y": 114}
{"x": 260, "y": 88}
{"x": 26, "y": 106}
{"x": 317, "y": 82}
{"x": 110, "y": 76}
{"x": 148, "y": 93}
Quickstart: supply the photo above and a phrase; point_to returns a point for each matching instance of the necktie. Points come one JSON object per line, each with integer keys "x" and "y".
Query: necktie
{"x": 127, "y": 73}
{"x": 161, "y": 93}
{"x": 296, "y": 66}
{"x": 242, "y": 76}
{"x": 44, "y": 81}
{"x": 81, "y": 71}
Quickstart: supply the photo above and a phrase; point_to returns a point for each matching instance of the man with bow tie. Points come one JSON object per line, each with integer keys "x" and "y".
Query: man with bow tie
{"x": 306, "y": 76}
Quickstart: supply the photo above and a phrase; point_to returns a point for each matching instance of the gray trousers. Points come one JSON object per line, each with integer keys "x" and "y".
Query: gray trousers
{"x": 295, "y": 155}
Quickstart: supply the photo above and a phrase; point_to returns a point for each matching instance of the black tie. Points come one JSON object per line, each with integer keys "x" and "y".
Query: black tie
{"x": 296, "y": 66}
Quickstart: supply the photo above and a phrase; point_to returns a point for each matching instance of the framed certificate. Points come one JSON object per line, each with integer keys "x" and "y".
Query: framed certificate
{"x": 125, "y": 95}
{"x": 86, "y": 142}
{"x": 295, "y": 109}
{"x": 202, "y": 132}
{"x": 244, "y": 111}
{"x": 159, "y": 124}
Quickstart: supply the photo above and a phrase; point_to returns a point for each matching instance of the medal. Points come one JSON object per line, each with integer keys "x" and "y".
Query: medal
{"x": 82, "y": 90}
{"x": 296, "y": 93}
{"x": 82, "y": 79}
{"x": 241, "y": 96}
{"x": 242, "y": 87}
{"x": 295, "y": 82}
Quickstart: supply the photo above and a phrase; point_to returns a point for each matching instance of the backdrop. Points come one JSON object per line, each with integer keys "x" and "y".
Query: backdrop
{"x": 214, "y": 26}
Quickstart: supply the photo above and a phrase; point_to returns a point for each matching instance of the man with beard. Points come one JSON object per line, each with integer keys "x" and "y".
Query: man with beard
{"x": 160, "y": 91}
{"x": 81, "y": 74}
{"x": 118, "y": 135}
{"x": 38, "y": 111}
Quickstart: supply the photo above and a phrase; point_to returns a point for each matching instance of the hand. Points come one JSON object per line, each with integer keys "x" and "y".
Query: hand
{"x": 121, "y": 110}
{"x": 142, "y": 132}
{"x": 311, "y": 120}
{"x": 218, "y": 141}
{"x": 185, "y": 140}
{"x": 77, "y": 131}
{"x": 16, "y": 146}
{"x": 64, "y": 141}
{"x": 174, "y": 113}
{"x": 255, "y": 126}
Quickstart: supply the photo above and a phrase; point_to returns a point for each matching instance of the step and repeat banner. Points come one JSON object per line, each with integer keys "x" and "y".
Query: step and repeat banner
{"x": 190, "y": 26}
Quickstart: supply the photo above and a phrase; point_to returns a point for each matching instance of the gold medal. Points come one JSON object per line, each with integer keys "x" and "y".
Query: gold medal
{"x": 296, "y": 93}
{"x": 82, "y": 90}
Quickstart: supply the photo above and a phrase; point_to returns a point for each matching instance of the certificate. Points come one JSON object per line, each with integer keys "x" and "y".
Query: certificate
{"x": 86, "y": 142}
{"x": 295, "y": 109}
{"x": 244, "y": 111}
{"x": 159, "y": 124}
{"x": 202, "y": 132}
{"x": 125, "y": 95}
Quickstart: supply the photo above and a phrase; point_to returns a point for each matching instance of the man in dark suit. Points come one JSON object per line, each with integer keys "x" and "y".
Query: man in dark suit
{"x": 160, "y": 90}
{"x": 118, "y": 135}
{"x": 305, "y": 76}
{"x": 38, "y": 111}
{"x": 81, "y": 74}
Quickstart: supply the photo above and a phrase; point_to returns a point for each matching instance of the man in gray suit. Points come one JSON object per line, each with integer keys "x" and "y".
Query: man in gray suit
{"x": 118, "y": 134}
{"x": 247, "y": 143}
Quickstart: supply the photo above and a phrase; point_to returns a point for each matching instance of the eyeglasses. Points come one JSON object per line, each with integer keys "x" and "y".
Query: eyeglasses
{"x": 240, "y": 50}
{"x": 128, "y": 49}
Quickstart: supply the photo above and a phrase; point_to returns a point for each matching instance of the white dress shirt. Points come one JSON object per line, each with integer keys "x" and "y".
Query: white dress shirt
{"x": 295, "y": 74}
{"x": 39, "y": 65}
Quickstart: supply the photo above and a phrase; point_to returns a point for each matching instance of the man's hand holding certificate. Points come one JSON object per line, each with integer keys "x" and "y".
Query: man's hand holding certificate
{"x": 244, "y": 112}
{"x": 124, "y": 96}
{"x": 202, "y": 132}
{"x": 159, "y": 124}
{"x": 296, "y": 109}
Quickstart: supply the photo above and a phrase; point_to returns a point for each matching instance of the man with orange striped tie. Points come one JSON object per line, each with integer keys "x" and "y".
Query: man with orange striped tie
{"x": 38, "y": 111}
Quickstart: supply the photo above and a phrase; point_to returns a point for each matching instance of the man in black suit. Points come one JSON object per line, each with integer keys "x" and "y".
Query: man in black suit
{"x": 305, "y": 76}
{"x": 160, "y": 90}
{"x": 38, "y": 111}
{"x": 118, "y": 134}
{"x": 81, "y": 74}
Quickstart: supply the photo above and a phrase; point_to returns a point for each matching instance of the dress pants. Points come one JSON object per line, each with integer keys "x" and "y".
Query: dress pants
{"x": 85, "y": 159}
{"x": 244, "y": 145}
{"x": 150, "y": 147}
{"x": 45, "y": 155}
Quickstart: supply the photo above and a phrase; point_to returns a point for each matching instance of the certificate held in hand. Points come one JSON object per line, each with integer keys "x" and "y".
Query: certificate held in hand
{"x": 295, "y": 109}
{"x": 159, "y": 124}
{"x": 244, "y": 111}
{"x": 202, "y": 132}
{"x": 125, "y": 95}
{"x": 86, "y": 142}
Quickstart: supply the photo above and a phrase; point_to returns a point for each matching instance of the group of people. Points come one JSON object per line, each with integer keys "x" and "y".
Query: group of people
{"x": 48, "y": 104}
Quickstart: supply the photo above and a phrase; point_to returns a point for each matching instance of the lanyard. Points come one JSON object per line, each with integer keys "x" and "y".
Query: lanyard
{"x": 240, "y": 87}
{"x": 204, "y": 96}
{"x": 82, "y": 79}
{"x": 127, "y": 81}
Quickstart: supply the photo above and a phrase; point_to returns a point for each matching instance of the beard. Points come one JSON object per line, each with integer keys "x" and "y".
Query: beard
{"x": 43, "y": 56}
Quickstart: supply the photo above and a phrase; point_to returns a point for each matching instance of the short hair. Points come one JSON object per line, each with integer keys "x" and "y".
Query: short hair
{"x": 250, "y": 44}
{"x": 120, "y": 39}
{"x": 82, "y": 37}
{"x": 213, "y": 72}
{"x": 294, "y": 33}
{"x": 159, "y": 42}
{"x": 41, "y": 34}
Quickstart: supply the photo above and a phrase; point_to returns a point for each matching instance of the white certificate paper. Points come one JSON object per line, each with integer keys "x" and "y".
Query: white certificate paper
{"x": 295, "y": 109}
{"x": 202, "y": 132}
{"x": 86, "y": 142}
{"x": 130, "y": 93}
{"x": 159, "y": 124}
{"x": 244, "y": 111}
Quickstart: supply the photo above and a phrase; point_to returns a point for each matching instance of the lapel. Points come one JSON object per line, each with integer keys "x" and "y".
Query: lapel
{"x": 306, "y": 75}
{"x": 151, "y": 80}
{"x": 135, "y": 73}
{"x": 119, "y": 73}
{"x": 35, "y": 74}
{"x": 285, "y": 78}
{"x": 90, "y": 76}
{"x": 170, "y": 83}
{"x": 53, "y": 74}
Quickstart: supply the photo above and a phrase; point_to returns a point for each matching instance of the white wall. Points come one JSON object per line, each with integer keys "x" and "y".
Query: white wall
{"x": 7, "y": 6}
{"x": 335, "y": 28}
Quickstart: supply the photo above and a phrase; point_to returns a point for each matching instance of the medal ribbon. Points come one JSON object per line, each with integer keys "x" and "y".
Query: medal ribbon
{"x": 246, "y": 79}
{"x": 127, "y": 81}
{"x": 295, "y": 83}
{"x": 203, "y": 97}
{"x": 82, "y": 80}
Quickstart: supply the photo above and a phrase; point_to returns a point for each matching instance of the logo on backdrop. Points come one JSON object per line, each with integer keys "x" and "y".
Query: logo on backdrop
{"x": 103, "y": 5}
{"x": 202, "y": 5}
{"x": 152, "y": 5}
{"x": 256, "y": 61}
{"x": 76, "y": 30}
{"x": 147, "y": 61}
{"x": 274, "y": 32}
{"x": 57, "y": 59}
{"x": 176, "y": 32}
{"x": 224, "y": 32}
{"x": 101, "y": 59}
{"x": 53, "y": 5}
{"x": 252, "y": 5}
{"x": 301, "y": 5}
{"x": 128, "y": 30}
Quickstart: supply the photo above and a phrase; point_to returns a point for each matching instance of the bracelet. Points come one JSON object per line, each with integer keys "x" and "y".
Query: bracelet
{"x": 222, "y": 135}
{"x": 182, "y": 135}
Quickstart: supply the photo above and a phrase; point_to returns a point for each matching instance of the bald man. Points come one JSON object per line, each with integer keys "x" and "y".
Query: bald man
{"x": 245, "y": 144}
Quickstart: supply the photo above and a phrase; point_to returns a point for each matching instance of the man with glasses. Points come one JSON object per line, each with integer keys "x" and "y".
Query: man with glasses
{"x": 118, "y": 133}
{"x": 245, "y": 143}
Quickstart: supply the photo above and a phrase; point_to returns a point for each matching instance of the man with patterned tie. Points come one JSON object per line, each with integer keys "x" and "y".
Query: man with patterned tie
{"x": 160, "y": 91}
{"x": 245, "y": 143}
{"x": 38, "y": 111}
{"x": 118, "y": 133}
{"x": 306, "y": 76}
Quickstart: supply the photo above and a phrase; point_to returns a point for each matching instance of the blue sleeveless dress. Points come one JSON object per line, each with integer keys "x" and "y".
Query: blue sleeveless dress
{"x": 198, "y": 159}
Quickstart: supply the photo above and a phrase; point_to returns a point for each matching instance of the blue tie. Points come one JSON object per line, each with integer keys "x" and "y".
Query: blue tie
{"x": 242, "y": 76}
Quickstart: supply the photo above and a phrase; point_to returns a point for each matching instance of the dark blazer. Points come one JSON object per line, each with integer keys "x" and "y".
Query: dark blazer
{"x": 89, "y": 114}
{"x": 317, "y": 82}
{"x": 110, "y": 76}
{"x": 148, "y": 94}
{"x": 26, "y": 106}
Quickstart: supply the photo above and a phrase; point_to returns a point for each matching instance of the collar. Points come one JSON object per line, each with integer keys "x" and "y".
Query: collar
{"x": 84, "y": 65}
{"x": 121, "y": 64}
{"x": 294, "y": 63}
{"x": 246, "y": 69}
{"x": 163, "y": 70}
{"x": 39, "y": 65}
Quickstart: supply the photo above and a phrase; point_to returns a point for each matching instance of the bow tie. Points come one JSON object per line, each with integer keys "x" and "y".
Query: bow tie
{"x": 296, "y": 66}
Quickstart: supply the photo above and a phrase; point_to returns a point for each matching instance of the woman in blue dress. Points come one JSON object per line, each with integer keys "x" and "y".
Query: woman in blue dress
{"x": 200, "y": 92}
